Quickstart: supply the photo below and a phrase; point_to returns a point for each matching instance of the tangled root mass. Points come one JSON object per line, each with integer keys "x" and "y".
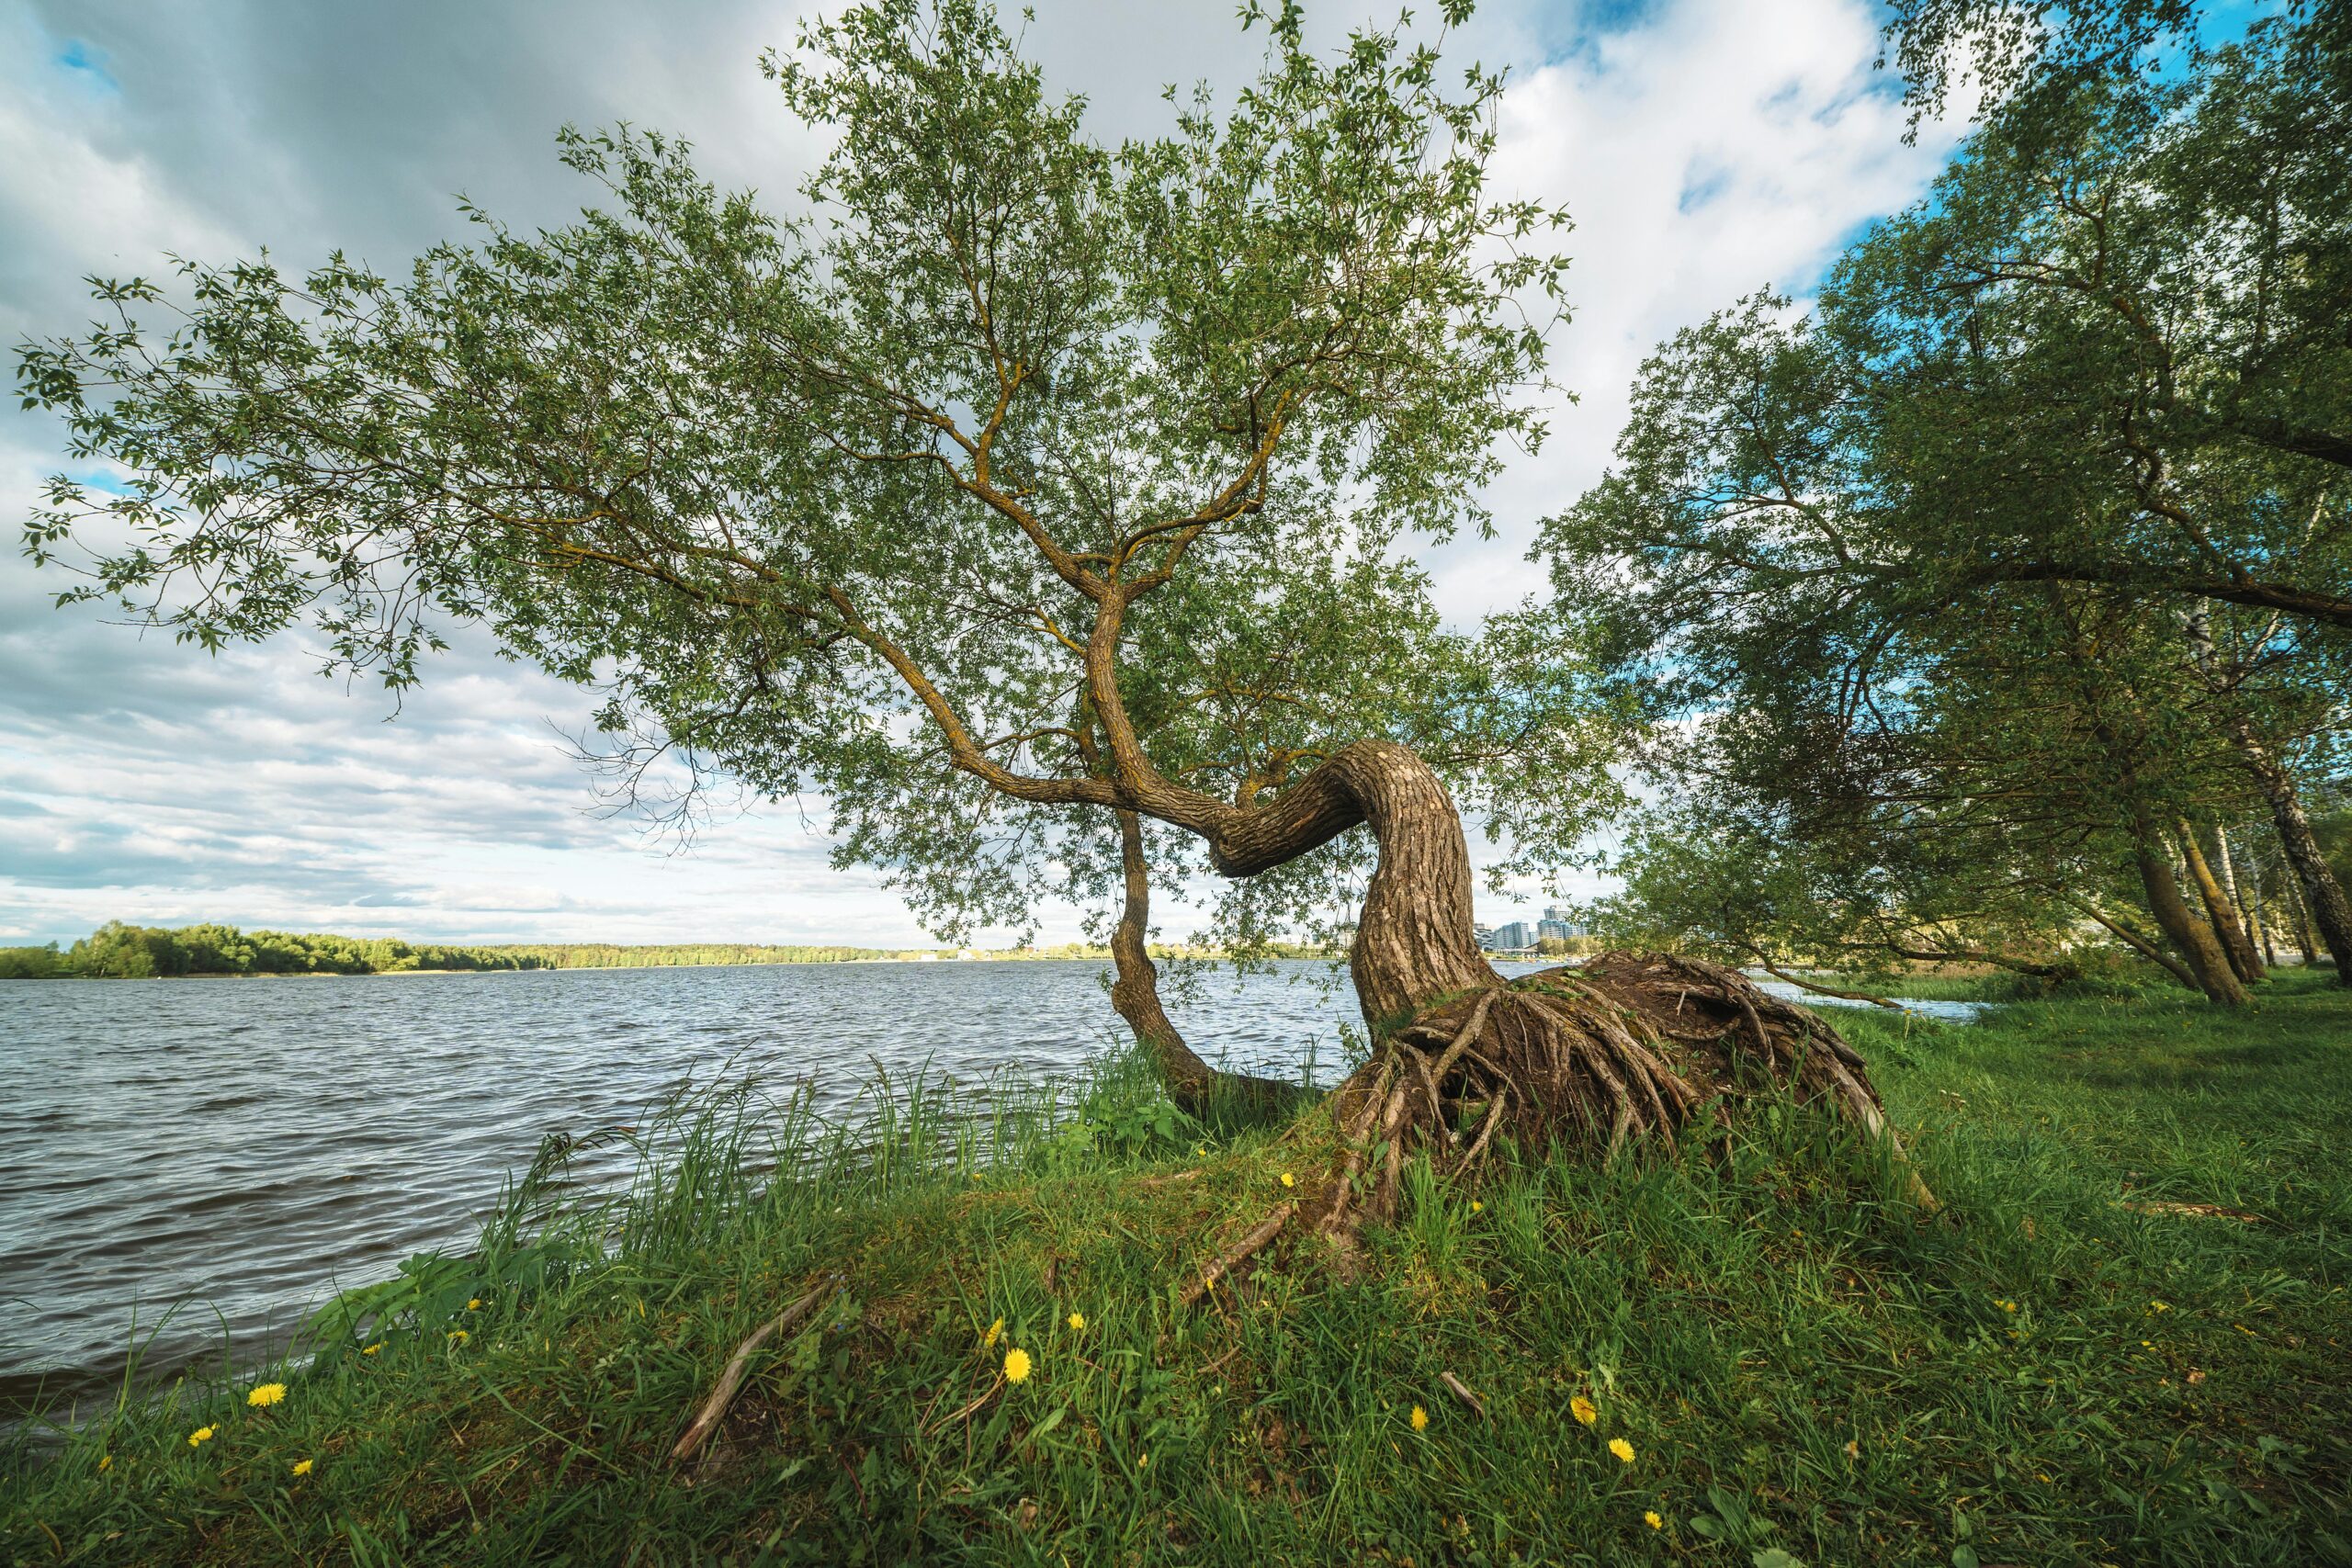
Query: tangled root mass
{"x": 1628, "y": 1046}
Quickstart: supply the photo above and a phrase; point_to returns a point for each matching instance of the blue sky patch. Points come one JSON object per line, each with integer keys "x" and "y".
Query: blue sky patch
{"x": 86, "y": 64}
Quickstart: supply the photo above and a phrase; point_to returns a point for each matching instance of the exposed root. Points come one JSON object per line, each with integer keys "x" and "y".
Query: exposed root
{"x": 1629, "y": 1047}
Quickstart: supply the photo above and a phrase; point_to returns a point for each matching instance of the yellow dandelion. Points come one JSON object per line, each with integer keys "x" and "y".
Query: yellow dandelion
{"x": 1201, "y": 1152}
{"x": 1016, "y": 1365}
{"x": 266, "y": 1395}
{"x": 106, "y": 1463}
{"x": 474, "y": 1305}
{"x": 371, "y": 1349}
{"x": 1143, "y": 1461}
{"x": 2007, "y": 1306}
{"x": 302, "y": 1467}
{"x": 2160, "y": 1306}
{"x": 1581, "y": 1409}
{"x": 459, "y": 1337}
{"x": 1077, "y": 1320}
{"x": 1421, "y": 1419}
{"x": 1476, "y": 1207}
{"x": 1651, "y": 1520}
{"x": 200, "y": 1437}
{"x": 996, "y": 1332}
{"x": 1621, "y": 1449}
{"x": 1288, "y": 1180}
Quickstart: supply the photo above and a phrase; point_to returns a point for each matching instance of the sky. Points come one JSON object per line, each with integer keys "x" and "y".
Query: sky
{"x": 1704, "y": 147}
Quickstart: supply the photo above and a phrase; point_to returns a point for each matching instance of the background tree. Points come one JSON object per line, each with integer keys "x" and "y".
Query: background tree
{"x": 2092, "y": 382}
{"x": 921, "y": 502}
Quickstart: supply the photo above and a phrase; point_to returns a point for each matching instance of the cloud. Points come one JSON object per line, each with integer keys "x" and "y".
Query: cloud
{"x": 1703, "y": 150}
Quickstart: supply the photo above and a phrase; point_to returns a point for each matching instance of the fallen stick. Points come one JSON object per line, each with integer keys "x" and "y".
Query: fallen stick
{"x": 1453, "y": 1386}
{"x": 706, "y": 1420}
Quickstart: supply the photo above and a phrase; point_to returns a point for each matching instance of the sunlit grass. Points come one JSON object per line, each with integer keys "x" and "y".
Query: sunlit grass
{"x": 2070, "y": 1368}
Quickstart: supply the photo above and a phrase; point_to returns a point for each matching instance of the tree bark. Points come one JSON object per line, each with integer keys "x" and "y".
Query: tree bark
{"x": 2194, "y": 938}
{"x": 2323, "y": 896}
{"x": 2244, "y": 961}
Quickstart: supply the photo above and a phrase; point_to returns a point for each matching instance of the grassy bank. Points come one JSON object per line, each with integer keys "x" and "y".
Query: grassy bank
{"x": 2074, "y": 1367}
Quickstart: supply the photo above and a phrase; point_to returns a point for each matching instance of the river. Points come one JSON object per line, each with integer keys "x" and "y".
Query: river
{"x": 202, "y": 1159}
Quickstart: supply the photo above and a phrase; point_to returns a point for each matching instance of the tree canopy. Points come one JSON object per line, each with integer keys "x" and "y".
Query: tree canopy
{"x": 1006, "y": 478}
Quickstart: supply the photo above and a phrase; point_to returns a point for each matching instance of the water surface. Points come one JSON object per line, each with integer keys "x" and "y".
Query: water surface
{"x": 212, "y": 1155}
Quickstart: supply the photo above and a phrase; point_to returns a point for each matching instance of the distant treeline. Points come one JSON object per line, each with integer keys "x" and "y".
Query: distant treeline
{"x": 127, "y": 951}
{"x": 116, "y": 951}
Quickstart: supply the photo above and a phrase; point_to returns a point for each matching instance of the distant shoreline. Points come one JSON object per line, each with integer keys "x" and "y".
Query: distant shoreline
{"x": 120, "y": 952}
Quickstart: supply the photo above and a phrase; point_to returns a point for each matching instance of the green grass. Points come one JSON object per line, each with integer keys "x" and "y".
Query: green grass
{"x": 1801, "y": 1365}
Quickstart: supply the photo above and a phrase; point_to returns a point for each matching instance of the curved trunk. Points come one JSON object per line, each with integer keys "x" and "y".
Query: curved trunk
{"x": 1415, "y": 941}
{"x": 1190, "y": 1082}
{"x": 2244, "y": 961}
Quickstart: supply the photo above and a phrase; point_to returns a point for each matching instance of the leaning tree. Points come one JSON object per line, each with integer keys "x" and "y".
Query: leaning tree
{"x": 955, "y": 498}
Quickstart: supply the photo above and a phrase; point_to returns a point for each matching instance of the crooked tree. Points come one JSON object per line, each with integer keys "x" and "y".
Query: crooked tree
{"x": 934, "y": 497}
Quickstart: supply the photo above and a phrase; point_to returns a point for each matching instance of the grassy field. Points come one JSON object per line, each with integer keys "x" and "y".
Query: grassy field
{"x": 1758, "y": 1355}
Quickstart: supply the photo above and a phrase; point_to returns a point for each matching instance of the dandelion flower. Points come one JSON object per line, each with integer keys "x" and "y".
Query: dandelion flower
{"x": 1077, "y": 1320}
{"x": 1288, "y": 1180}
{"x": 1651, "y": 1520}
{"x": 474, "y": 1305}
{"x": 2007, "y": 1306}
{"x": 266, "y": 1395}
{"x": 1201, "y": 1152}
{"x": 106, "y": 1463}
{"x": 200, "y": 1437}
{"x": 1581, "y": 1409}
{"x": 1621, "y": 1449}
{"x": 371, "y": 1349}
{"x": 2160, "y": 1306}
{"x": 1421, "y": 1419}
{"x": 996, "y": 1332}
{"x": 1016, "y": 1365}
{"x": 1476, "y": 1207}
{"x": 459, "y": 1337}
{"x": 302, "y": 1467}
{"x": 1143, "y": 1461}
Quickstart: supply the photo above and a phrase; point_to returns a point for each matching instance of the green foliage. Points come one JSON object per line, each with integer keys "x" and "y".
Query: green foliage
{"x": 1950, "y": 596}
{"x": 2082, "y": 1367}
{"x": 124, "y": 952}
{"x": 997, "y": 449}
{"x": 31, "y": 963}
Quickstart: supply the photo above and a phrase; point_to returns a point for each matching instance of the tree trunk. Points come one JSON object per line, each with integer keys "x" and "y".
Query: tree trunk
{"x": 2303, "y": 941}
{"x": 1629, "y": 1046}
{"x": 2192, "y": 936}
{"x": 2243, "y": 960}
{"x": 1190, "y": 1082}
{"x": 2323, "y": 896}
{"x": 2246, "y": 895}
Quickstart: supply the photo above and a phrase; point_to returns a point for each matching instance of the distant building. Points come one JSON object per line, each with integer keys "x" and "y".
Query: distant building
{"x": 1516, "y": 934}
